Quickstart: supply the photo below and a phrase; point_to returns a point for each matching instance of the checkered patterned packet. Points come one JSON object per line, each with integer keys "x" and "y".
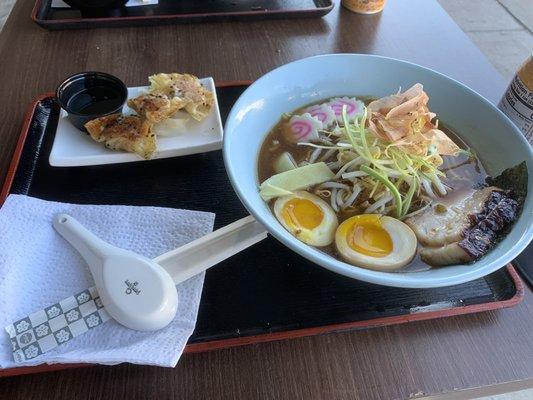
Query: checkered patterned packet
{"x": 57, "y": 324}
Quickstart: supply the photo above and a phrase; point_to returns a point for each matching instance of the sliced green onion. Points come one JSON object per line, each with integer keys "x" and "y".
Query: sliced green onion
{"x": 351, "y": 138}
{"x": 409, "y": 197}
{"x": 383, "y": 179}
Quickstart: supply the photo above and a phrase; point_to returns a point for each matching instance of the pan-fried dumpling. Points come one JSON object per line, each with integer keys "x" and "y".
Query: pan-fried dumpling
{"x": 155, "y": 106}
{"x": 184, "y": 89}
{"x": 124, "y": 132}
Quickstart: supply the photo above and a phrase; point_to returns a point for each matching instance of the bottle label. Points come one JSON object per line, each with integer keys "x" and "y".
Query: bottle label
{"x": 517, "y": 104}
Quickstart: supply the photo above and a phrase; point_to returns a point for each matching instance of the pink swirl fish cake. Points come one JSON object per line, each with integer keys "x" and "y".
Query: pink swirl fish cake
{"x": 323, "y": 112}
{"x": 354, "y": 107}
{"x": 302, "y": 128}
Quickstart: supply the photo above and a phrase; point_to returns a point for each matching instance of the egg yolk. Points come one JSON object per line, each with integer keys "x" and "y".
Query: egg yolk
{"x": 302, "y": 213}
{"x": 366, "y": 236}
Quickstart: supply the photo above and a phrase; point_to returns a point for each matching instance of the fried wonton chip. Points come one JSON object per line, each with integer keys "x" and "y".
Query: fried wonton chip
{"x": 186, "y": 90}
{"x": 120, "y": 132}
{"x": 405, "y": 119}
{"x": 155, "y": 106}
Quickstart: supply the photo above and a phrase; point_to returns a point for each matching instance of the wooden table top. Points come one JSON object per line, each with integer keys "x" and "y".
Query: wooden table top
{"x": 382, "y": 363}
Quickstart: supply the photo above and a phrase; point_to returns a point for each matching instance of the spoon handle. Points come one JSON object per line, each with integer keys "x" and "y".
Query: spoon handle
{"x": 209, "y": 250}
{"x": 91, "y": 247}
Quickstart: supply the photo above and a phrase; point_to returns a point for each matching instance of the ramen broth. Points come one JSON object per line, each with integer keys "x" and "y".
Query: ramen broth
{"x": 462, "y": 173}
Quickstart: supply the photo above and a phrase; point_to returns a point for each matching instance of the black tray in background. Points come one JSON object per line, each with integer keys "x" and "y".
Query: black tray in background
{"x": 267, "y": 290}
{"x": 176, "y": 11}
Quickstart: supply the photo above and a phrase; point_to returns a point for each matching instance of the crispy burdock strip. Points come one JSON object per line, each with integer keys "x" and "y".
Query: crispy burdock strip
{"x": 499, "y": 212}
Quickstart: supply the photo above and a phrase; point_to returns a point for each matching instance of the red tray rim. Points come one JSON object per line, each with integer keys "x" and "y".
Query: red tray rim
{"x": 267, "y": 337}
{"x": 58, "y": 22}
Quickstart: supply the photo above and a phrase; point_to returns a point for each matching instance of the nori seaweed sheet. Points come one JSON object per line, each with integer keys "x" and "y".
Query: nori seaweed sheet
{"x": 513, "y": 179}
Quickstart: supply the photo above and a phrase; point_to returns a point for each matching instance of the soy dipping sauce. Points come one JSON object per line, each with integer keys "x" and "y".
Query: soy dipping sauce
{"x": 95, "y": 100}
{"x": 89, "y": 95}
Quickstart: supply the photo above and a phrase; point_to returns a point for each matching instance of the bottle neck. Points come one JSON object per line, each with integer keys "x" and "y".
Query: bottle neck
{"x": 525, "y": 73}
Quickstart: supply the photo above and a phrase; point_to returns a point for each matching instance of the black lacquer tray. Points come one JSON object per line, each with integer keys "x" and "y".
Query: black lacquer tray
{"x": 177, "y": 11}
{"x": 266, "y": 292}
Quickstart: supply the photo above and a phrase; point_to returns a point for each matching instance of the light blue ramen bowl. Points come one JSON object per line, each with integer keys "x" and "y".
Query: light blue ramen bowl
{"x": 496, "y": 141}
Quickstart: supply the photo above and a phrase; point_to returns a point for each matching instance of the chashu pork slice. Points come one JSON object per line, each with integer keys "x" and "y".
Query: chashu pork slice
{"x": 450, "y": 254}
{"x": 436, "y": 228}
{"x": 467, "y": 230}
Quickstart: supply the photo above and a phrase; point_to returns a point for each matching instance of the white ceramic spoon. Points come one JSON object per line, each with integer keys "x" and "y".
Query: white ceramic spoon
{"x": 140, "y": 293}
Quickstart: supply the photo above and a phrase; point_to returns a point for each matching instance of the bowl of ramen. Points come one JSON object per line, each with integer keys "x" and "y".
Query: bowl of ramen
{"x": 381, "y": 170}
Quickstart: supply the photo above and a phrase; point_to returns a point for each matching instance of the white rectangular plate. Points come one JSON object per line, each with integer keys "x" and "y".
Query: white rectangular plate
{"x": 73, "y": 148}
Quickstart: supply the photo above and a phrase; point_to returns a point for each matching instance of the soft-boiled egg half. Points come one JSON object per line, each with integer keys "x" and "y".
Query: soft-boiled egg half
{"x": 307, "y": 217}
{"x": 376, "y": 242}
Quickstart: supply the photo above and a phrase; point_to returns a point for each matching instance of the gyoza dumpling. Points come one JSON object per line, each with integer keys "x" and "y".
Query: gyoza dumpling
{"x": 186, "y": 90}
{"x": 155, "y": 106}
{"x": 124, "y": 132}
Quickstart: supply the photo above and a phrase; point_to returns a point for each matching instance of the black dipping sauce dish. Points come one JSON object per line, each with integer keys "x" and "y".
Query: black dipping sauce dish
{"x": 89, "y": 95}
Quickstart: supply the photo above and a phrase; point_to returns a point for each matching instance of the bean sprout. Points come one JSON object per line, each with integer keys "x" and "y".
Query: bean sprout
{"x": 326, "y": 141}
{"x": 334, "y": 165}
{"x": 340, "y": 194}
{"x": 323, "y": 192}
{"x": 327, "y": 155}
{"x": 381, "y": 202}
{"x": 355, "y": 161}
{"x": 333, "y": 199}
{"x": 333, "y": 185}
{"x": 355, "y": 192}
{"x": 354, "y": 174}
{"x": 427, "y": 187}
{"x": 438, "y": 185}
{"x": 314, "y": 155}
